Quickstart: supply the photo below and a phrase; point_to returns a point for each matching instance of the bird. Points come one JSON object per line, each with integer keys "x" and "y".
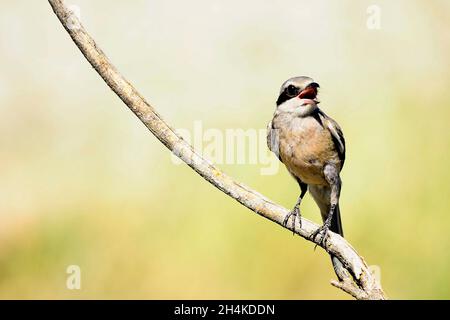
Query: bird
{"x": 312, "y": 147}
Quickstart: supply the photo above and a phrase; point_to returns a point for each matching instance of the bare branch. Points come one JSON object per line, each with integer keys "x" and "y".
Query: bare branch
{"x": 362, "y": 284}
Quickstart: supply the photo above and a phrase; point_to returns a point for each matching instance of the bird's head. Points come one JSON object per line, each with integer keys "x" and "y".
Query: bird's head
{"x": 298, "y": 95}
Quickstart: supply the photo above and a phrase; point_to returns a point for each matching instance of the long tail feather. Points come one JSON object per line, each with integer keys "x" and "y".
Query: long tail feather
{"x": 336, "y": 223}
{"x": 336, "y": 226}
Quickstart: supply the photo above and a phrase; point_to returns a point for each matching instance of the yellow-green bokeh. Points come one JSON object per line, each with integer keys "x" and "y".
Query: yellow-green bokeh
{"x": 83, "y": 182}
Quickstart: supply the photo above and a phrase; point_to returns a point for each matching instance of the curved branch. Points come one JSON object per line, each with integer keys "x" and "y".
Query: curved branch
{"x": 361, "y": 284}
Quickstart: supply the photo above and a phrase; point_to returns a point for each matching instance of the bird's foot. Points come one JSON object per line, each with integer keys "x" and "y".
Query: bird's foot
{"x": 323, "y": 229}
{"x": 294, "y": 213}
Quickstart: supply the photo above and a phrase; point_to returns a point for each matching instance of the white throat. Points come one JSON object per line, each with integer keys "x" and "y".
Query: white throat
{"x": 298, "y": 107}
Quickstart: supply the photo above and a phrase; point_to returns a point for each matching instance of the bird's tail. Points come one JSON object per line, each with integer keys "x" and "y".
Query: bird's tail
{"x": 336, "y": 226}
{"x": 321, "y": 197}
{"x": 336, "y": 223}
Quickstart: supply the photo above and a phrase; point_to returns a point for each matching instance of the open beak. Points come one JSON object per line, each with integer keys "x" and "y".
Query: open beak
{"x": 309, "y": 94}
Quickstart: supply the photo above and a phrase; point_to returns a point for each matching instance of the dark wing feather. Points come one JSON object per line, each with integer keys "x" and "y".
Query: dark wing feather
{"x": 336, "y": 134}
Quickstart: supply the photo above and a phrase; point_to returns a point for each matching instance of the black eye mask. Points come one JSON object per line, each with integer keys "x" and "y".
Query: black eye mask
{"x": 288, "y": 93}
{"x": 292, "y": 90}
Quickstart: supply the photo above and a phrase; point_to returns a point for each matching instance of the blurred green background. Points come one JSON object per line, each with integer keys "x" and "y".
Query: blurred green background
{"x": 83, "y": 182}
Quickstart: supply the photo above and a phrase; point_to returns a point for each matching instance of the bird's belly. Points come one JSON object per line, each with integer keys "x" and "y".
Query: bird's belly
{"x": 308, "y": 169}
{"x": 306, "y": 153}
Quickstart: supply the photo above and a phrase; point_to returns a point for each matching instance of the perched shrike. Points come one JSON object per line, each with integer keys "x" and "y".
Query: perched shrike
{"x": 312, "y": 147}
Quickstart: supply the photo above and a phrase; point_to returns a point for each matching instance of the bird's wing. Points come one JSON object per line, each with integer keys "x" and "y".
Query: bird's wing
{"x": 336, "y": 134}
{"x": 273, "y": 141}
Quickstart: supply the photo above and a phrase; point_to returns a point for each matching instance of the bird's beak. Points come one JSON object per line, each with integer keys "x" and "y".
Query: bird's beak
{"x": 310, "y": 92}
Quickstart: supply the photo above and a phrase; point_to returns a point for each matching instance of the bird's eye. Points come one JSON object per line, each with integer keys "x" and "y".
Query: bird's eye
{"x": 292, "y": 90}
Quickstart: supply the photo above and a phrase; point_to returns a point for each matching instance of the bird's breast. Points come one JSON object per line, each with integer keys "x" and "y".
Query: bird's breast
{"x": 305, "y": 148}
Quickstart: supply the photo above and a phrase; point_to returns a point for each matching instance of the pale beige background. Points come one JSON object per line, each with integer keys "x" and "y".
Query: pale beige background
{"x": 82, "y": 182}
